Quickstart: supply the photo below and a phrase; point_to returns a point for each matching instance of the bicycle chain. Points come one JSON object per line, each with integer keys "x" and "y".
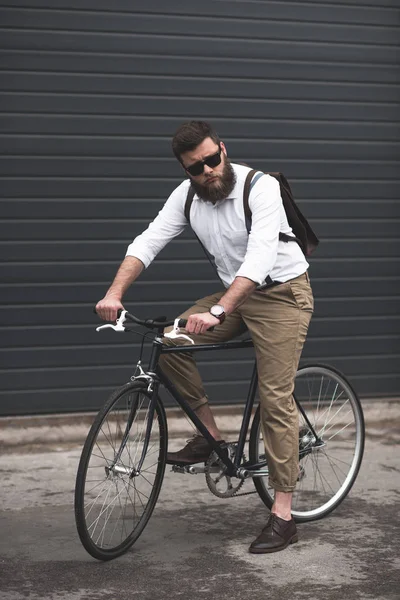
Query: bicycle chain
{"x": 244, "y": 494}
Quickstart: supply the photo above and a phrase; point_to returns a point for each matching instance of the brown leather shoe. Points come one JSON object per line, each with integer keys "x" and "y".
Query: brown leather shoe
{"x": 196, "y": 450}
{"x": 276, "y": 535}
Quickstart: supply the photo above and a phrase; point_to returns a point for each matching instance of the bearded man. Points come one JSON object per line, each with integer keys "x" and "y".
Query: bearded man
{"x": 265, "y": 289}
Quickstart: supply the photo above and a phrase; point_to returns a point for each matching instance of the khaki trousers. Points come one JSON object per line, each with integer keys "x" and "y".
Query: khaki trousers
{"x": 277, "y": 319}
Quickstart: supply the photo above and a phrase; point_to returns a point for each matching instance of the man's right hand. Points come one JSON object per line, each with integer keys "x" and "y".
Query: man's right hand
{"x": 108, "y": 308}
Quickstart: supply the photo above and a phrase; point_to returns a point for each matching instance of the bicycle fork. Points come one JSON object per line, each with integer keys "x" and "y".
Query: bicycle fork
{"x": 135, "y": 471}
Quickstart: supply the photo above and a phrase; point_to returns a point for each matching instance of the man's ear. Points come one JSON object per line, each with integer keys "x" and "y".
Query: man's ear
{"x": 223, "y": 148}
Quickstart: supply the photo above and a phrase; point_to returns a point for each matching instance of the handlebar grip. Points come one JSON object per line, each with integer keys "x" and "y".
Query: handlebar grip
{"x": 183, "y": 322}
{"x": 118, "y": 314}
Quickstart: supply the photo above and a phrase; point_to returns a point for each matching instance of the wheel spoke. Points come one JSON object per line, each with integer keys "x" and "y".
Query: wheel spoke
{"x": 322, "y": 476}
{"x": 122, "y": 511}
{"x": 101, "y": 481}
{"x": 334, "y": 466}
{"x": 109, "y": 511}
{"x": 337, "y": 432}
{"x": 96, "y": 521}
{"x": 326, "y": 428}
{"x": 102, "y": 455}
{"x": 93, "y": 501}
{"x": 145, "y": 478}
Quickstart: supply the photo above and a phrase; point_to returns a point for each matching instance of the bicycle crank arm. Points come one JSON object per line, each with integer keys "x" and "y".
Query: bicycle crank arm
{"x": 193, "y": 470}
{"x": 248, "y": 474}
{"x": 260, "y": 473}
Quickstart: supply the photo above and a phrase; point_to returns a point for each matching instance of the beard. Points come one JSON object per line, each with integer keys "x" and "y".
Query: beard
{"x": 219, "y": 189}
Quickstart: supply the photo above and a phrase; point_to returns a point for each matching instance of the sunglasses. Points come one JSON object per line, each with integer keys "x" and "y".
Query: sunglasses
{"x": 211, "y": 161}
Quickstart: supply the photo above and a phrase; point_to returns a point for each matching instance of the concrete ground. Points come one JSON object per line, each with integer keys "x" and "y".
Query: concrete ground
{"x": 196, "y": 545}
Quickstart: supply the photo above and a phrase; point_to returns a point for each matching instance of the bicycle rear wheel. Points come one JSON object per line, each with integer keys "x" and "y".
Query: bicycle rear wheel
{"x": 113, "y": 500}
{"x": 327, "y": 471}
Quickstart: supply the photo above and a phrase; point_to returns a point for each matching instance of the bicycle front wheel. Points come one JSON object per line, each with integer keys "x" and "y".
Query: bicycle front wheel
{"x": 114, "y": 498}
{"x": 328, "y": 464}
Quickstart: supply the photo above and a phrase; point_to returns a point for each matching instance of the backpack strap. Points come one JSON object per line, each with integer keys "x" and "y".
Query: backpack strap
{"x": 248, "y": 184}
{"x": 188, "y": 203}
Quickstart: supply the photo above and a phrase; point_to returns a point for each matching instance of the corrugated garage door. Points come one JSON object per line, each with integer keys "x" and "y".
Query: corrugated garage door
{"x": 92, "y": 92}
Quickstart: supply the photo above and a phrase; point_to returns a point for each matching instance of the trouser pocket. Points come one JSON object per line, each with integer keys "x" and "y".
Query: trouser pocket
{"x": 300, "y": 289}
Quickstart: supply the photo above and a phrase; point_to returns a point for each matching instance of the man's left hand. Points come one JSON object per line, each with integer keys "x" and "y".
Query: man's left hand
{"x": 200, "y": 322}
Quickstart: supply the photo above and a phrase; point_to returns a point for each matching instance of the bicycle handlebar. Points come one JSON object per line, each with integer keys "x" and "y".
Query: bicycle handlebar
{"x": 158, "y": 323}
{"x": 153, "y": 323}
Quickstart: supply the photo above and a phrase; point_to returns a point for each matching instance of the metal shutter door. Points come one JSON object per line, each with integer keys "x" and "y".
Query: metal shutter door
{"x": 90, "y": 97}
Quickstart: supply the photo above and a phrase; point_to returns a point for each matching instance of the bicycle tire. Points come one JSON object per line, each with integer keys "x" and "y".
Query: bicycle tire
{"x": 332, "y": 477}
{"x": 123, "y": 417}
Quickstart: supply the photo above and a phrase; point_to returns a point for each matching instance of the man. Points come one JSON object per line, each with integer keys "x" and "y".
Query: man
{"x": 277, "y": 316}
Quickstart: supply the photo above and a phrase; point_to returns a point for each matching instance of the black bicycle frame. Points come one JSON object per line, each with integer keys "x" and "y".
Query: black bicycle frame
{"x": 160, "y": 377}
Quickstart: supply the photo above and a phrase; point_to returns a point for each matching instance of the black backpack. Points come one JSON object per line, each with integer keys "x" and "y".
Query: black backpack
{"x": 304, "y": 235}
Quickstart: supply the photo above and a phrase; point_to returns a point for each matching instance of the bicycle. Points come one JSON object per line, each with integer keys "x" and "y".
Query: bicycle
{"x": 123, "y": 460}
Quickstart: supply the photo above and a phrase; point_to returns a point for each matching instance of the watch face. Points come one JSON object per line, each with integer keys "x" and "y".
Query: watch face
{"x": 217, "y": 310}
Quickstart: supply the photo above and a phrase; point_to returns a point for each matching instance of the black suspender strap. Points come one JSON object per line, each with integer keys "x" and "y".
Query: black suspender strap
{"x": 188, "y": 203}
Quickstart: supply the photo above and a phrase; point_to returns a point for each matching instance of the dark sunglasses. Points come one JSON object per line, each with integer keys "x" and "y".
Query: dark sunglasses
{"x": 211, "y": 161}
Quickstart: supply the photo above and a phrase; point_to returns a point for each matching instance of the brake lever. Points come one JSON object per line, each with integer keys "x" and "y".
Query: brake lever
{"x": 119, "y": 323}
{"x": 175, "y": 333}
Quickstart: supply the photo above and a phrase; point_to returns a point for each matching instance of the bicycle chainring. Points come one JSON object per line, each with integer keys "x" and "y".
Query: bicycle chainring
{"x": 220, "y": 484}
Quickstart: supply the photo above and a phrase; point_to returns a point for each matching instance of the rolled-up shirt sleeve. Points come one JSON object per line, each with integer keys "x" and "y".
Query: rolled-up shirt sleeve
{"x": 169, "y": 223}
{"x": 265, "y": 204}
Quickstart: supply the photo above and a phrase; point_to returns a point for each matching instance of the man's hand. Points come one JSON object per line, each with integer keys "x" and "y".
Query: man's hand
{"x": 129, "y": 271}
{"x": 200, "y": 322}
{"x": 108, "y": 308}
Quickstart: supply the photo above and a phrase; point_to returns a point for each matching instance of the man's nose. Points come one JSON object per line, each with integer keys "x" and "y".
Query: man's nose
{"x": 207, "y": 170}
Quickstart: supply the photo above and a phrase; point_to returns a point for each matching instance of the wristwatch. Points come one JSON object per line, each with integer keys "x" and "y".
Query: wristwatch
{"x": 218, "y": 311}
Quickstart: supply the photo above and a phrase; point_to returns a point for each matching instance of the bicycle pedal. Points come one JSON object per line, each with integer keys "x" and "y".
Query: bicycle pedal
{"x": 187, "y": 469}
{"x": 193, "y": 470}
{"x": 178, "y": 469}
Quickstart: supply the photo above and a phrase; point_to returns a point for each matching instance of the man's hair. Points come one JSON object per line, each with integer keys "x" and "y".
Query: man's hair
{"x": 190, "y": 135}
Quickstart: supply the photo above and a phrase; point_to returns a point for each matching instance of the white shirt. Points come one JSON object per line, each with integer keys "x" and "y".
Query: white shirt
{"x": 221, "y": 228}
